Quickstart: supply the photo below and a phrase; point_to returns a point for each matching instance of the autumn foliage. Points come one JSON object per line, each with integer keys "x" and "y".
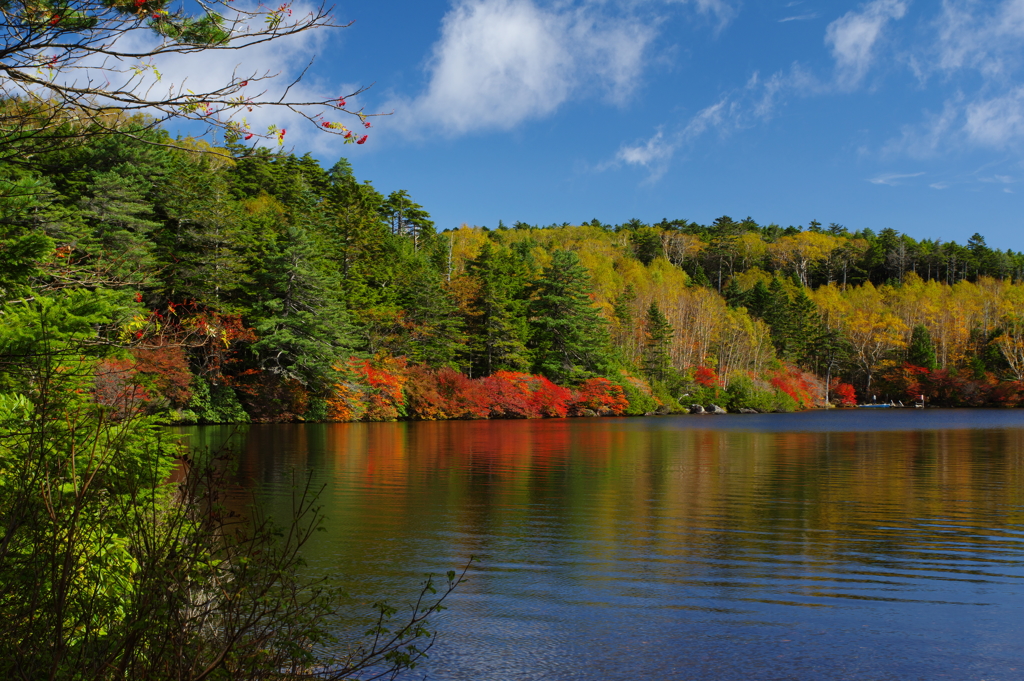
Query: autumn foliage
{"x": 843, "y": 394}
{"x": 386, "y": 389}
{"x": 805, "y": 389}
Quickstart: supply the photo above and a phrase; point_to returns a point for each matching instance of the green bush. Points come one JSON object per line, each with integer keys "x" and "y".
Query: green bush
{"x": 216, "y": 404}
{"x": 664, "y": 394}
{"x": 744, "y": 393}
{"x": 316, "y": 412}
{"x": 640, "y": 402}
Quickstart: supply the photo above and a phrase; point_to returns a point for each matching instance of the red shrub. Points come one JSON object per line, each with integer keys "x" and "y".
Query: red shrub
{"x": 905, "y": 381}
{"x": 269, "y": 397}
{"x": 842, "y": 394}
{"x": 167, "y": 369}
{"x": 509, "y": 395}
{"x": 805, "y": 389}
{"x": 384, "y": 378}
{"x": 117, "y": 388}
{"x": 463, "y": 398}
{"x": 552, "y": 400}
{"x": 599, "y": 395}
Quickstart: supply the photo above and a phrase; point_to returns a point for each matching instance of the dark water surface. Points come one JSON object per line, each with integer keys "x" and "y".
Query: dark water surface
{"x": 842, "y": 545}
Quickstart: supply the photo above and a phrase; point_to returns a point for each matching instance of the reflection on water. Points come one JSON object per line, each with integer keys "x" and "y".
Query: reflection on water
{"x": 807, "y": 546}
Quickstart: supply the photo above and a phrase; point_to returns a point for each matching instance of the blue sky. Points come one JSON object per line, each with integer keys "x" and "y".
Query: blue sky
{"x": 887, "y": 113}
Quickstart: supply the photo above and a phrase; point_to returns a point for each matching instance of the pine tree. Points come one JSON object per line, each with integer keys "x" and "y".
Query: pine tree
{"x": 734, "y": 295}
{"x": 406, "y": 217}
{"x": 569, "y": 339}
{"x": 646, "y": 243}
{"x": 657, "y": 344}
{"x": 698, "y": 277}
{"x": 200, "y": 248}
{"x": 499, "y": 325}
{"x": 432, "y": 330}
{"x": 118, "y": 245}
{"x": 758, "y": 300}
{"x": 921, "y": 351}
{"x": 300, "y": 321}
{"x": 803, "y": 330}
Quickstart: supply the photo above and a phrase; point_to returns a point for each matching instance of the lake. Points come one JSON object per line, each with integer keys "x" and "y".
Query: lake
{"x": 819, "y": 545}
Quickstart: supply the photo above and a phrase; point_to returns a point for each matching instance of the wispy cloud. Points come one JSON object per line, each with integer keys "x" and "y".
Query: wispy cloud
{"x": 854, "y": 36}
{"x": 983, "y": 36}
{"x": 722, "y": 10}
{"x": 893, "y": 179}
{"x": 980, "y": 47}
{"x": 799, "y": 17}
{"x": 996, "y": 121}
{"x": 743, "y": 108}
{"x": 501, "y": 62}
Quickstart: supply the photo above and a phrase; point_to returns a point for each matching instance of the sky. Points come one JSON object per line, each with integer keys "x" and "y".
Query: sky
{"x": 888, "y": 113}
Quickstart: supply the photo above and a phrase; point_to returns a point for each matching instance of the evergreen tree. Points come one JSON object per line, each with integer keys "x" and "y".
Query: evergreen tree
{"x": 698, "y": 277}
{"x": 734, "y": 295}
{"x": 297, "y": 313}
{"x": 758, "y": 300}
{"x": 431, "y": 330}
{"x": 406, "y": 217}
{"x": 623, "y": 329}
{"x": 657, "y": 344}
{"x": 118, "y": 244}
{"x": 646, "y": 243}
{"x": 802, "y": 329}
{"x": 776, "y": 306}
{"x": 569, "y": 338}
{"x": 499, "y": 324}
{"x": 200, "y": 247}
{"x": 921, "y": 351}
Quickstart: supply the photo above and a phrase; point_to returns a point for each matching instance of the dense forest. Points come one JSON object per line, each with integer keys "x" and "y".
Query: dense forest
{"x": 224, "y": 285}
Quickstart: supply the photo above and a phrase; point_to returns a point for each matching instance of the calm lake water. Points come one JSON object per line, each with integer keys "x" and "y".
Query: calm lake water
{"x": 839, "y": 545}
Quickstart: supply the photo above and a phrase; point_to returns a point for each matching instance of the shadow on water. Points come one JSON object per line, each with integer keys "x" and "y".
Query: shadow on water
{"x": 851, "y": 545}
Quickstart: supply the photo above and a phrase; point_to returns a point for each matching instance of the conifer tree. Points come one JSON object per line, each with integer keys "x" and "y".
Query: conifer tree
{"x": 657, "y": 343}
{"x": 569, "y": 339}
{"x": 802, "y": 329}
{"x": 432, "y": 330}
{"x": 118, "y": 245}
{"x": 200, "y": 248}
{"x": 299, "y": 319}
{"x": 734, "y": 295}
{"x": 921, "y": 351}
{"x": 758, "y": 300}
{"x": 499, "y": 324}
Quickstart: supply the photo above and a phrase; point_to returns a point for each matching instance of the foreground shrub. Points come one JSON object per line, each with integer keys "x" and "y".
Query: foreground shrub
{"x": 600, "y": 396}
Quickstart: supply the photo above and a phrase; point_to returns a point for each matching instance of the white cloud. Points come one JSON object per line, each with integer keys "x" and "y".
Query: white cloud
{"x": 501, "y": 62}
{"x": 927, "y": 138}
{"x": 799, "y": 17}
{"x": 853, "y": 38}
{"x": 654, "y": 154}
{"x": 996, "y": 121}
{"x": 893, "y": 179}
{"x": 980, "y": 36}
{"x": 980, "y": 47}
{"x": 722, "y": 10}
{"x": 657, "y": 152}
{"x": 738, "y": 110}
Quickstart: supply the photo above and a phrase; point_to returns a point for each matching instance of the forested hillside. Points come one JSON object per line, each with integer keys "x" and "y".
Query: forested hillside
{"x": 230, "y": 286}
